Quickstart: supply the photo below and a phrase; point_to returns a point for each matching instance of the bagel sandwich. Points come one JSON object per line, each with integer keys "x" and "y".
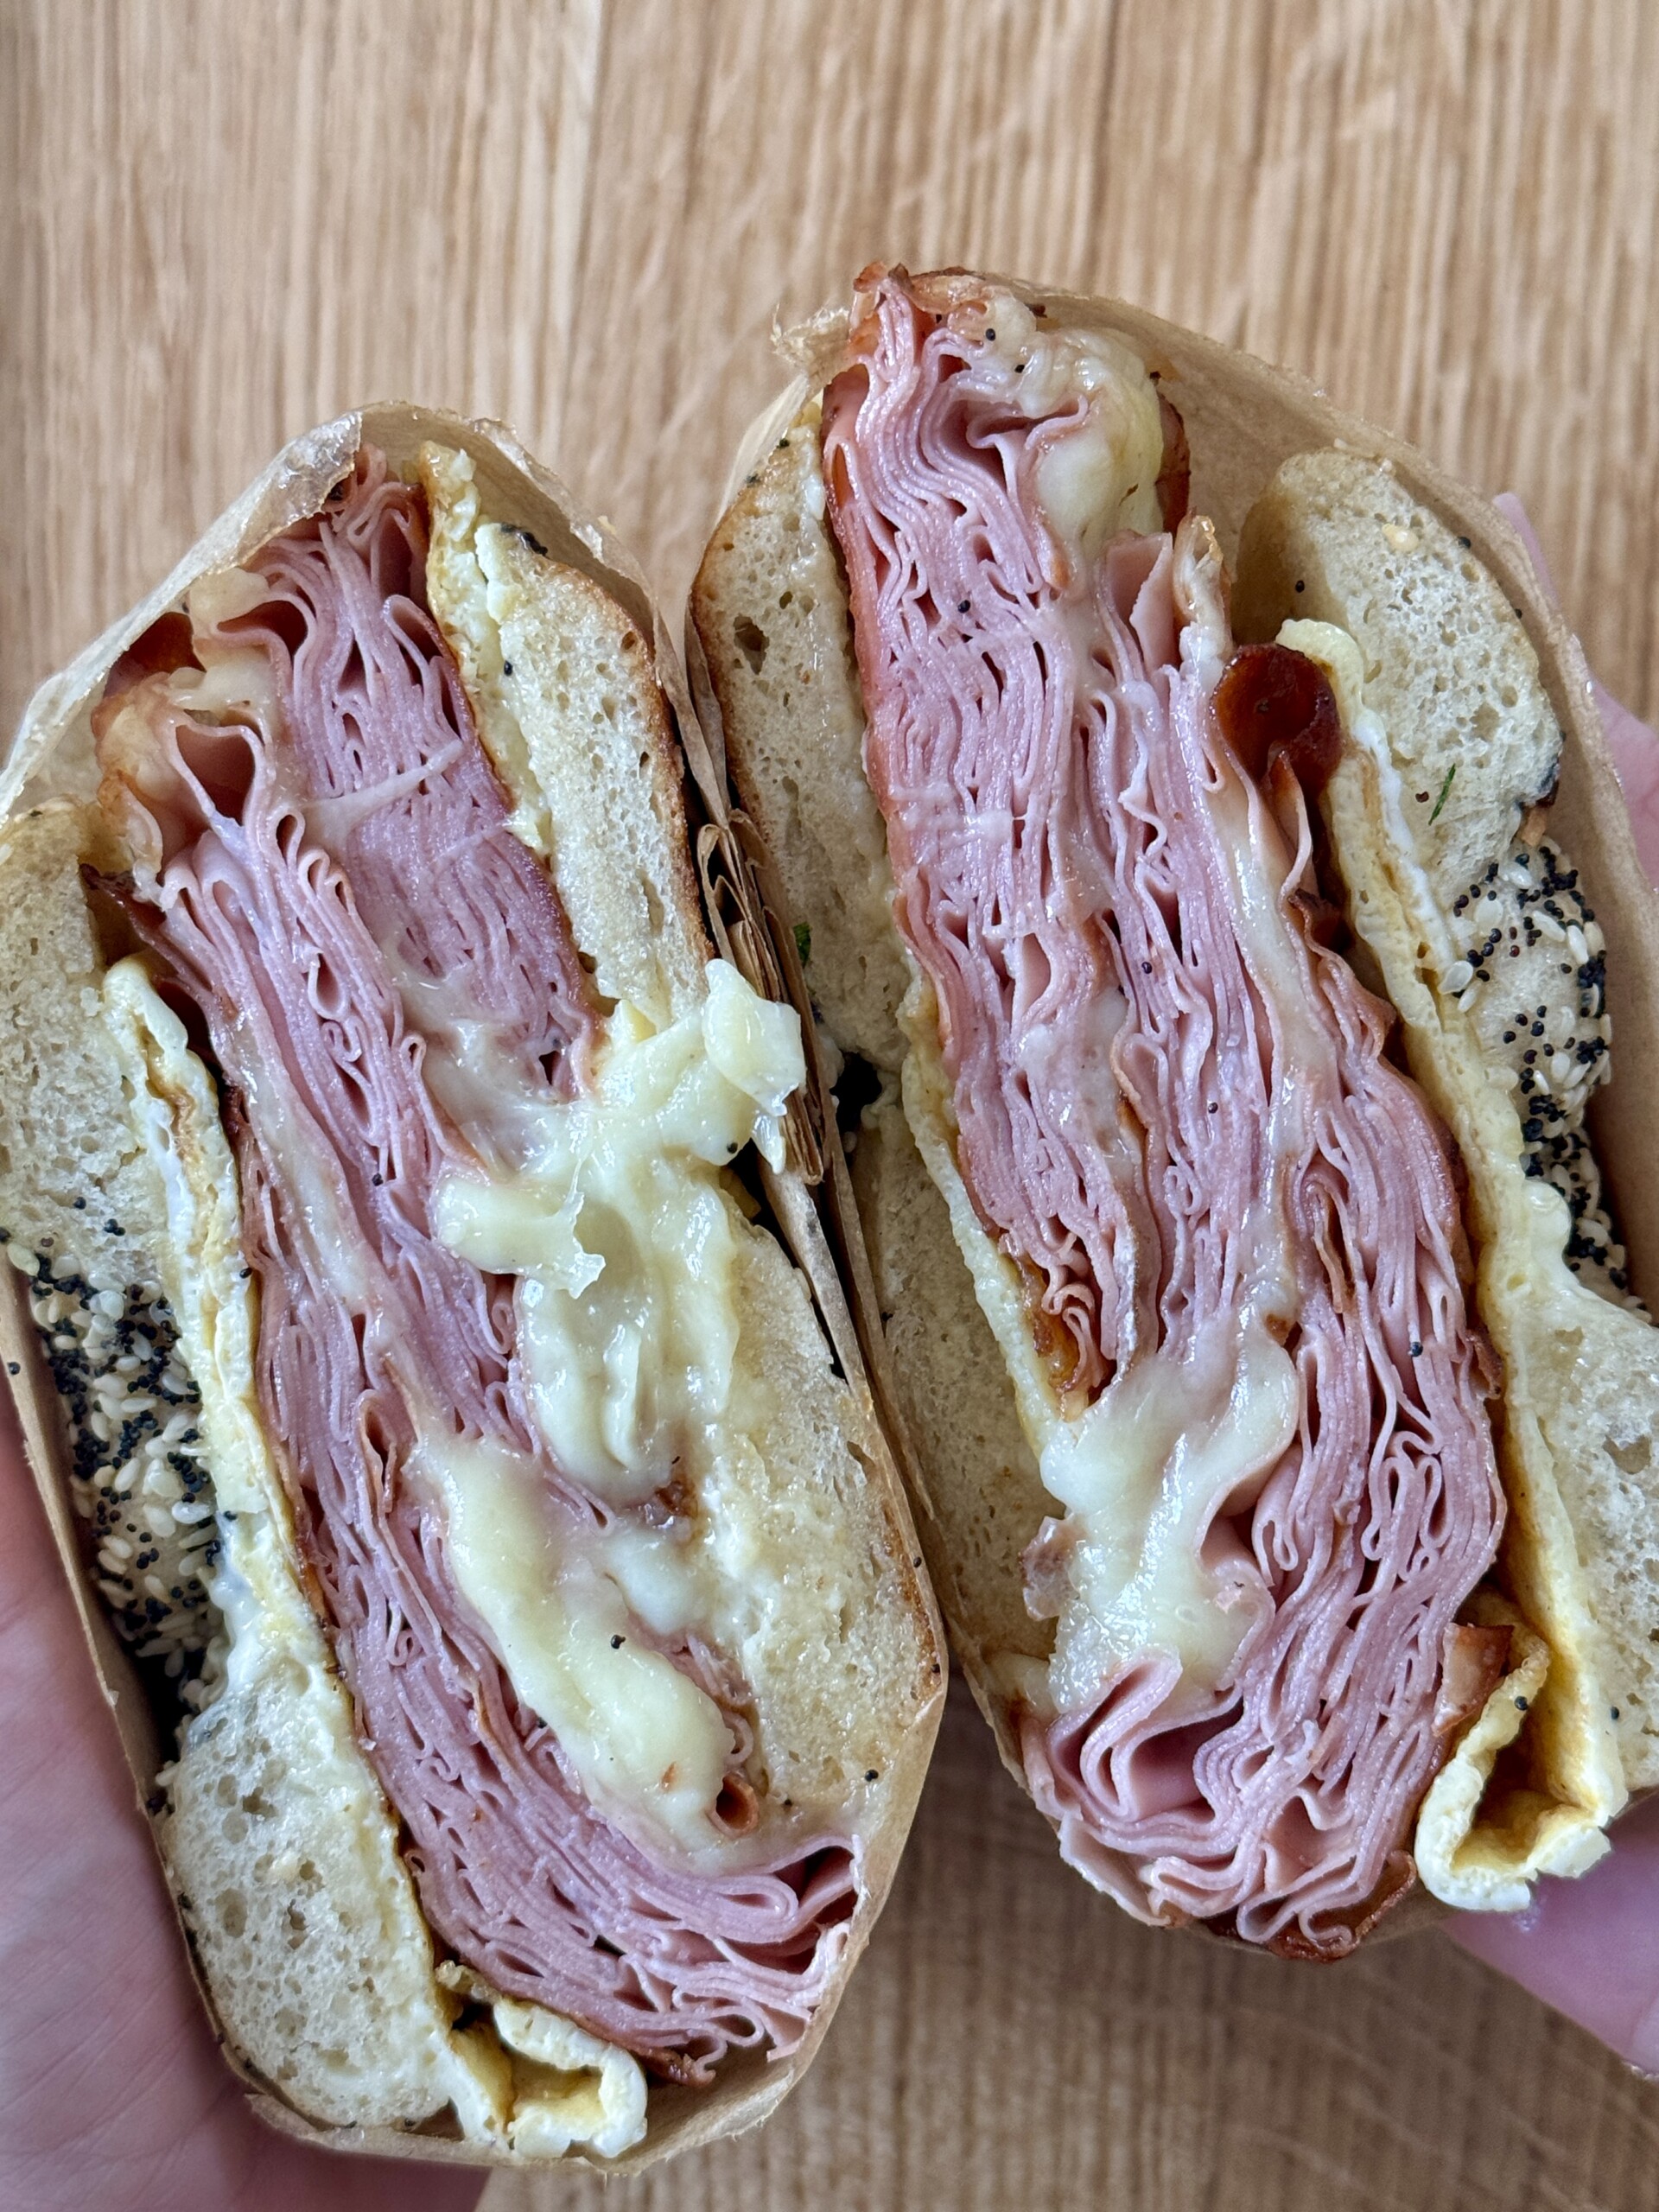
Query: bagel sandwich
{"x": 1218, "y": 905}
{"x": 425, "y": 1333}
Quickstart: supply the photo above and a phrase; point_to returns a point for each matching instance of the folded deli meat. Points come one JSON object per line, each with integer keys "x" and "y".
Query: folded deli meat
{"x": 1255, "y": 1378}
{"x": 325, "y": 885}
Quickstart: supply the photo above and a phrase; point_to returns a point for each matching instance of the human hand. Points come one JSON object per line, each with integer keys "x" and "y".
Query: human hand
{"x": 1591, "y": 1947}
{"x": 113, "y": 2097}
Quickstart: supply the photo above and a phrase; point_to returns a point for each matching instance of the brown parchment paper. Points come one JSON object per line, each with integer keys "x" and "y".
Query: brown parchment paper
{"x": 52, "y": 755}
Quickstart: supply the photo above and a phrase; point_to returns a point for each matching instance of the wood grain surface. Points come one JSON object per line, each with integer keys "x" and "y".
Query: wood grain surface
{"x": 224, "y": 222}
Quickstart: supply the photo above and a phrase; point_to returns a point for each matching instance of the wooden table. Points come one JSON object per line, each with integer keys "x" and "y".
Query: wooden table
{"x": 227, "y": 221}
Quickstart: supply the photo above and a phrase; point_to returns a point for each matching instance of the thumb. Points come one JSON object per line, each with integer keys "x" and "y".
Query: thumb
{"x": 1591, "y": 1947}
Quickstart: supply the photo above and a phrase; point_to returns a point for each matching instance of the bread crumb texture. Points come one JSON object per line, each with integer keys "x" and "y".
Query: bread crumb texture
{"x": 770, "y": 609}
{"x": 571, "y": 714}
{"x": 285, "y": 1861}
{"x": 987, "y": 1499}
{"x": 1448, "y": 665}
{"x": 74, "y": 1177}
{"x": 836, "y": 1656}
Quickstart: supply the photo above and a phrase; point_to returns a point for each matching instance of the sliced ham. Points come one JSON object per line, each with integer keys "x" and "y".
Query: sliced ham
{"x": 1174, "y": 1113}
{"x": 329, "y": 875}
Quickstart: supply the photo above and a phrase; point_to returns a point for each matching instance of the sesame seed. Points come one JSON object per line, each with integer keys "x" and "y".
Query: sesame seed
{"x": 114, "y": 1360}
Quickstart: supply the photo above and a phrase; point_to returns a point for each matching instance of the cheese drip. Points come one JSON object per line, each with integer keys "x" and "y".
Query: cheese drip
{"x": 622, "y": 1238}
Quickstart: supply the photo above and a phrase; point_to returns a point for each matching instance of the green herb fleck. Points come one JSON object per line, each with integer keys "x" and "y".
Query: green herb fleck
{"x": 802, "y": 942}
{"x": 1444, "y": 788}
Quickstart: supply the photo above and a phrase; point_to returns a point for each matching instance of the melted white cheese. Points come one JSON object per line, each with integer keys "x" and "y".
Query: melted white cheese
{"x": 1100, "y": 475}
{"x": 1177, "y": 1438}
{"x": 1140, "y": 1474}
{"x": 1180, "y": 1437}
{"x": 624, "y": 1239}
{"x": 621, "y": 1234}
{"x": 649, "y": 1746}
{"x": 1139, "y": 1470}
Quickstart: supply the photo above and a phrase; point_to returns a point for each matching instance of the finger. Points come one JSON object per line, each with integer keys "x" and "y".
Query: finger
{"x": 1589, "y": 1947}
{"x": 1634, "y": 746}
{"x": 86, "y": 1926}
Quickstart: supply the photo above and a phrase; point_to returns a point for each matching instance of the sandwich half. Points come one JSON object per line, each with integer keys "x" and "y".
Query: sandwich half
{"x": 1217, "y": 901}
{"x": 424, "y": 1334}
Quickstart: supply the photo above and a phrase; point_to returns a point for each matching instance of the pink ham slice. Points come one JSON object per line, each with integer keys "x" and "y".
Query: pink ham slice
{"x": 341, "y": 898}
{"x": 1043, "y": 746}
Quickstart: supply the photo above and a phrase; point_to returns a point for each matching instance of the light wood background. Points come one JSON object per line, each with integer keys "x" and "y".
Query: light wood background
{"x": 226, "y": 219}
